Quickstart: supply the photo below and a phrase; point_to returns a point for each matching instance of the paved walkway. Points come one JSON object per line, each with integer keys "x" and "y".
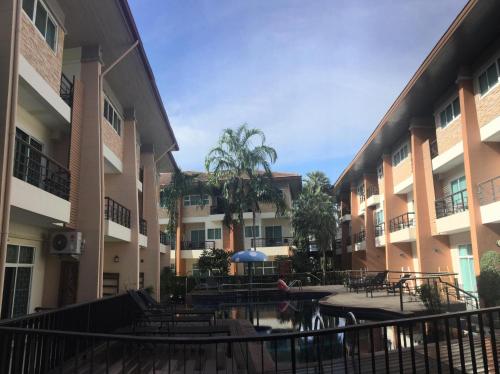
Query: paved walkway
{"x": 352, "y": 301}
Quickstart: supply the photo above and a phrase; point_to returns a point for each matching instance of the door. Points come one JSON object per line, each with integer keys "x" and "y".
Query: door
{"x": 274, "y": 236}
{"x": 17, "y": 284}
{"x": 29, "y": 159}
{"x": 198, "y": 239}
{"x": 459, "y": 200}
{"x": 467, "y": 274}
{"x": 68, "y": 283}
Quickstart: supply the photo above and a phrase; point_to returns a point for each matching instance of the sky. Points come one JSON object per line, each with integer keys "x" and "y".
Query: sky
{"x": 315, "y": 75}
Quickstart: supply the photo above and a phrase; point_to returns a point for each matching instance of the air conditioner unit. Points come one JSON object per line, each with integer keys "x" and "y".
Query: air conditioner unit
{"x": 66, "y": 243}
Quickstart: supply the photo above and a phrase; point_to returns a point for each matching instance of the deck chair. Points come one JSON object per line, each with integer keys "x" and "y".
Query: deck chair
{"x": 376, "y": 281}
{"x": 399, "y": 285}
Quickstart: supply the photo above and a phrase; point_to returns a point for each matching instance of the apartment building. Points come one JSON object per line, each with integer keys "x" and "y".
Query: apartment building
{"x": 84, "y": 138}
{"x": 423, "y": 193}
{"x": 201, "y": 227}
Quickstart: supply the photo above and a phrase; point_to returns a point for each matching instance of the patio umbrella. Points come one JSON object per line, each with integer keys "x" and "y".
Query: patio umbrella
{"x": 249, "y": 256}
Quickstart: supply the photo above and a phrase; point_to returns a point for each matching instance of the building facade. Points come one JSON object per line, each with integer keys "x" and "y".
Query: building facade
{"x": 201, "y": 227}
{"x": 84, "y": 138}
{"x": 423, "y": 193}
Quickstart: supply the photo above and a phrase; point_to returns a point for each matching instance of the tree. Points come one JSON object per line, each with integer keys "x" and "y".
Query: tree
{"x": 181, "y": 184}
{"x": 214, "y": 261}
{"x": 314, "y": 215}
{"x": 240, "y": 164}
{"x": 488, "y": 285}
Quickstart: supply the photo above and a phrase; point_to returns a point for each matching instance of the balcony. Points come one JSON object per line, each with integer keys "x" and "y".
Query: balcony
{"x": 447, "y": 160}
{"x": 359, "y": 240}
{"x": 373, "y": 197}
{"x": 402, "y": 228}
{"x": 362, "y": 204}
{"x": 194, "y": 249}
{"x": 489, "y": 199}
{"x": 143, "y": 233}
{"x": 41, "y": 186}
{"x": 380, "y": 235}
{"x": 452, "y": 214}
{"x": 66, "y": 90}
{"x": 491, "y": 131}
{"x": 273, "y": 246}
{"x": 215, "y": 209}
{"x": 116, "y": 221}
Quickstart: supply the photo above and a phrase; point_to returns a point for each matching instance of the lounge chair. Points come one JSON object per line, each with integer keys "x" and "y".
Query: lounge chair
{"x": 399, "y": 285}
{"x": 376, "y": 281}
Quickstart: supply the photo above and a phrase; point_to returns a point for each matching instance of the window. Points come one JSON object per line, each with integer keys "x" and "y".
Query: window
{"x": 28, "y": 166}
{"x": 274, "y": 236}
{"x": 489, "y": 77}
{"x": 214, "y": 234}
{"x": 379, "y": 217}
{"x": 449, "y": 113}
{"x": 361, "y": 190}
{"x": 380, "y": 171}
{"x": 459, "y": 194}
{"x": 112, "y": 116}
{"x": 249, "y": 233}
{"x": 400, "y": 155}
{"x": 194, "y": 200}
{"x": 44, "y": 22}
{"x": 17, "y": 281}
{"x": 110, "y": 284}
{"x": 198, "y": 237}
{"x": 263, "y": 268}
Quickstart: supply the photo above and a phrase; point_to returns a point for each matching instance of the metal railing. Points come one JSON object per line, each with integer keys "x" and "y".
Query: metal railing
{"x": 402, "y": 222}
{"x": 345, "y": 209}
{"x": 215, "y": 209}
{"x": 371, "y": 191}
{"x": 38, "y": 169}
{"x": 359, "y": 237}
{"x": 362, "y": 197}
{"x": 66, "y": 90}
{"x": 116, "y": 212}
{"x": 451, "y": 204}
{"x": 143, "y": 227}
{"x": 271, "y": 242}
{"x": 489, "y": 191}
{"x": 434, "y": 148}
{"x": 380, "y": 229}
{"x": 463, "y": 341}
{"x": 163, "y": 238}
{"x": 207, "y": 244}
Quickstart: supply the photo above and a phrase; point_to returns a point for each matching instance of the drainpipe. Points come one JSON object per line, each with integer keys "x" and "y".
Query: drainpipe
{"x": 101, "y": 152}
{"x": 4, "y": 235}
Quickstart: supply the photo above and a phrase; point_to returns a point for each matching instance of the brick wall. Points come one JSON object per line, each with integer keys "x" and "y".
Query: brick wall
{"x": 111, "y": 139}
{"x": 36, "y": 51}
{"x": 448, "y": 136}
{"x": 402, "y": 171}
{"x": 488, "y": 106}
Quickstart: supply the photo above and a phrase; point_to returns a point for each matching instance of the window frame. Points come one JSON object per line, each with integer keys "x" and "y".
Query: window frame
{"x": 249, "y": 230}
{"x": 188, "y": 200}
{"x": 110, "y": 105}
{"x": 398, "y": 153}
{"x": 484, "y": 72}
{"x": 214, "y": 230}
{"x": 380, "y": 171}
{"x": 443, "y": 112}
{"x": 49, "y": 17}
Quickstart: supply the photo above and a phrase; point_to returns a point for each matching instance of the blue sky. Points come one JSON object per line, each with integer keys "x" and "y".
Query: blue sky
{"x": 316, "y": 76}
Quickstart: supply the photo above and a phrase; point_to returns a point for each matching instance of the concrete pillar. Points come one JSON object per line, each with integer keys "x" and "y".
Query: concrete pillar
{"x": 180, "y": 264}
{"x": 397, "y": 256}
{"x": 9, "y": 40}
{"x": 123, "y": 189}
{"x": 151, "y": 255}
{"x": 91, "y": 213}
{"x": 433, "y": 252}
{"x": 480, "y": 163}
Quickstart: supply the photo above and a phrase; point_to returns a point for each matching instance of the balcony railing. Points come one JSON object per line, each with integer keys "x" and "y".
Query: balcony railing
{"x": 272, "y": 242}
{"x": 345, "y": 209}
{"x": 214, "y": 209}
{"x": 489, "y": 191}
{"x": 359, "y": 237}
{"x": 402, "y": 222}
{"x": 116, "y": 212}
{"x": 163, "y": 238}
{"x": 38, "y": 169}
{"x": 143, "y": 227}
{"x": 372, "y": 190}
{"x": 451, "y": 204}
{"x": 187, "y": 245}
{"x": 66, "y": 90}
{"x": 361, "y": 197}
{"x": 380, "y": 229}
{"x": 434, "y": 148}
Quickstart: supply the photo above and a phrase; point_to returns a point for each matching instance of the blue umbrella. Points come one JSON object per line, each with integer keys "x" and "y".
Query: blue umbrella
{"x": 249, "y": 256}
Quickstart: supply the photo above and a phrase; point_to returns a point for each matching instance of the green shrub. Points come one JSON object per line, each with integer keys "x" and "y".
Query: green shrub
{"x": 488, "y": 284}
{"x": 431, "y": 297}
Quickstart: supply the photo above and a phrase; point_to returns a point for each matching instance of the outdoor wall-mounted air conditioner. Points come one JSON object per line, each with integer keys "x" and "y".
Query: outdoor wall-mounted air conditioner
{"x": 66, "y": 243}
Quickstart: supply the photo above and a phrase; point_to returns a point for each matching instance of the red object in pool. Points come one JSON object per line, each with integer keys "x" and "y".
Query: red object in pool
{"x": 282, "y": 285}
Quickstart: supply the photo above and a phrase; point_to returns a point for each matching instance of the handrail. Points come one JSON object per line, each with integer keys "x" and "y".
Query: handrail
{"x": 359, "y": 237}
{"x": 116, "y": 212}
{"x": 204, "y": 244}
{"x": 380, "y": 229}
{"x": 294, "y": 282}
{"x": 371, "y": 191}
{"x": 314, "y": 276}
{"x": 454, "y": 203}
{"x": 402, "y": 221}
{"x": 489, "y": 191}
{"x": 318, "y": 322}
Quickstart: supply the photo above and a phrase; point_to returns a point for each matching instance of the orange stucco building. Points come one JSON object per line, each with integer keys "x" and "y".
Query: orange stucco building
{"x": 423, "y": 193}
{"x": 84, "y": 138}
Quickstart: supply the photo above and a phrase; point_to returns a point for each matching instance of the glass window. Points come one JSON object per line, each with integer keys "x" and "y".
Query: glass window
{"x": 483, "y": 83}
{"x": 112, "y": 116}
{"x": 249, "y": 233}
{"x": 442, "y": 118}
{"x": 488, "y": 78}
{"x": 456, "y": 107}
{"x": 380, "y": 171}
{"x": 12, "y": 252}
{"x": 41, "y": 19}
{"x": 29, "y": 7}
{"x": 451, "y": 112}
{"x": 50, "y": 36}
{"x": 214, "y": 234}
{"x": 400, "y": 155}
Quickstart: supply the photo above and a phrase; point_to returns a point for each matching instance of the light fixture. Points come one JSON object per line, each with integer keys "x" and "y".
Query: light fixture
{"x": 116, "y": 259}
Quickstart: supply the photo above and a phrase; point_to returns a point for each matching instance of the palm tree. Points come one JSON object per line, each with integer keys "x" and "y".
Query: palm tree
{"x": 240, "y": 164}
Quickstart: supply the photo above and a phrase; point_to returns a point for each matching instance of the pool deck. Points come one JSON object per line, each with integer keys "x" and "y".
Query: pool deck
{"x": 382, "y": 303}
